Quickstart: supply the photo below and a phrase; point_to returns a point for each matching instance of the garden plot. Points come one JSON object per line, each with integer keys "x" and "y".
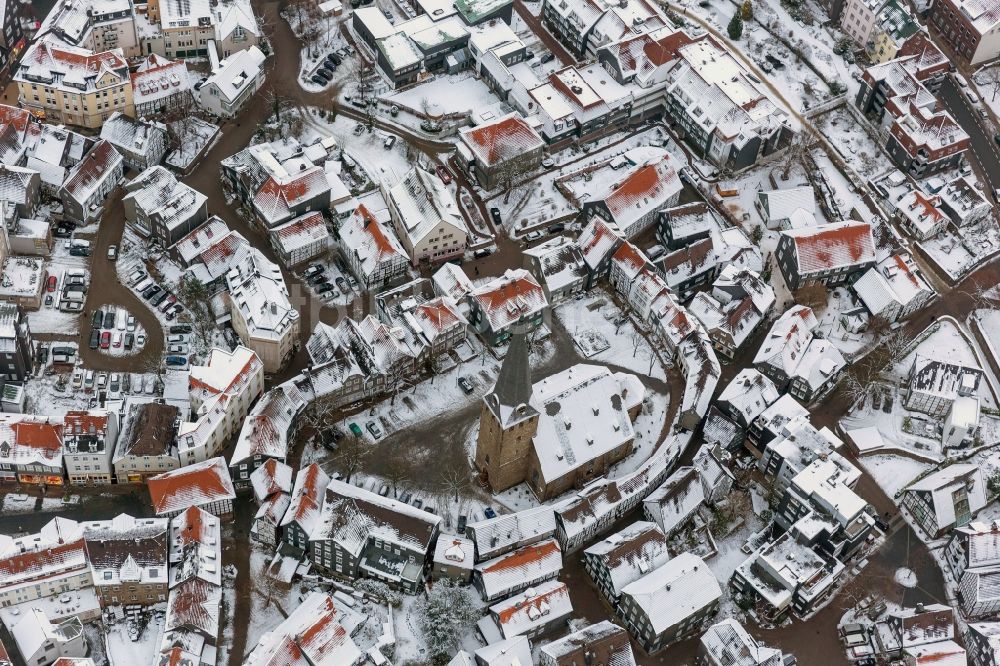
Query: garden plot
{"x": 446, "y": 95}
{"x": 851, "y": 139}
{"x": 196, "y": 136}
{"x": 591, "y": 342}
{"x": 959, "y": 254}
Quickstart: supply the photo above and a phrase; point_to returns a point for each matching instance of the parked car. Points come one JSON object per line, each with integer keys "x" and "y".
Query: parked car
{"x": 389, "y": 142}
{"x": 115, "y": 383}
{"x": 48, "y": 299}
{"x": 140, "y": 339}
{"x": 130, "y": 323}
{"x": 462, "y": 522}
{"x": 489, "y": 512}
{"x": 102, "y": 380}
{"x": 341, "y": 283}
{"x": 374, "y": 429}
{"x": 311, "y": 270}
{"x": 556, "y": 228}
{"x": 129, "y": 340}
{"x": 158, "y": 298}
{"x": 77, "y": 380}
{"x": 117, "y": 343}
{"x": 51, "y": 283}
{"x": 112, "y": 252}
{"x": 176, "y": 338}
{"x": 973, "y": 99}
{"x": 334, "y": 58}
{"x": 465, "y": 385}
{"x": 105, "y": 339}
{"x": 324, "y": 287}
{"x": 532, "y": 236}
{"x": 443, "y": 174}
{"x": 175, "y": 360}
{"x": 98, "y": 318}
{"x": 95, "y": 338}
{"x": 318, "y": 80}
{"x": 548, "y": 57}
{"x": 495, "y": 214}
{"x": 169, "y": 303}
{"x": 355, "y": 429}
{"x": 177, "y": 349}
{"x": 482, "y": 253}
{"x": 149, "y": 291}
{"x": 418, "y": 503}
{"x": 180, "y": 328}
{"x": 109, "y": 319}
{"x": 88, "y": 381}
{"x": 548, "y": 163}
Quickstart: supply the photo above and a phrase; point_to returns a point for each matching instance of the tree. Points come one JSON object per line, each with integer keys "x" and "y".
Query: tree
{"x": 746, "y": 10}
{"x": 351, "y": 455}
{"x": 991, "y": 77}
{"x": 813, "y": 296}
{"x": 395, "y": 468}
{"x": 447, "y": 614}
{"x": 735, "y": 27}
{"x": 794, "y": 153}
{"x": 454, "y": 480}
{"x": 198, "y": 299}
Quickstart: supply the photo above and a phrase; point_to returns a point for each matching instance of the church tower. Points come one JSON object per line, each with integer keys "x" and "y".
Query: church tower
{"x": 507, "y": 423}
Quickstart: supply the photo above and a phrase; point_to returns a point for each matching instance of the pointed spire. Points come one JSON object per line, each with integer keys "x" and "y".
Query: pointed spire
{"x": 513, "y": 385}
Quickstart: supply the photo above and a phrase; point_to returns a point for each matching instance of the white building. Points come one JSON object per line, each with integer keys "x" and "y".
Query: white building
{"x": 261, "y": 313}
{"x": 426, "y": 218}
{"x": 894, "y": 288}
{"x": 222, "y": 391}
{"x": 311, "y": 635}
{"x": 233, "y": 83}
{"x": 41, "y": 642}
{"x": 89, "y": 439}
{"x": 373, "y": 253}
{"x": 301, "y": 239}
{"x": 948, "y": 498}
{"x": 162, "y": 208}
{"x": 267, "y": 432}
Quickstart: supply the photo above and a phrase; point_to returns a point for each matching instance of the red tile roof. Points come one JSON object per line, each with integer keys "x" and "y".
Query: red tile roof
{"x": 831, "y": 246}
{"x": 195, "y": 485}
{"x": 505, "y": 139}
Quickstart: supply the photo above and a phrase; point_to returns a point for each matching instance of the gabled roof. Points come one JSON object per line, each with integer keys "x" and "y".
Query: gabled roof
{"x": 307, "y": 498}
{"x": 278, "y": 196}
{"x": 675, "y": 591}
{"x": 504, "y": 139}
{"x": 832, "y": 246}
{"x": 199, "y": 484}
{"x": 86, "y": 176}
{"x": 509, "y": 298}
{"x": 312, "y": 635}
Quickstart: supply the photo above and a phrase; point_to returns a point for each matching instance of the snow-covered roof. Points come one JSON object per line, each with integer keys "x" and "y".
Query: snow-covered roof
{"x": 598, "y": 240}
{"x": 85, "y": 178}
{"x": 236, "y": 73}
{"x": 278, "y": 197}
{"x": 197, "y": 485}
{"x": 270, "y": 478}
{"x": 224, "y": 371}
{"x": 894, "y": 280}
{"x": 301, "y": 232}
{"x": 605, "y": 640}
{"x": 450, "y": 280}
{"x": 505, "y": 139}
{"x": 257, "y": 289}
{"x": 525, "y": 566}
{"x": 307, "y": 498}
{"x": 941, "y": 485}
{"x": 942, "y": 653}
{"x": 922, "y": 212}
{"x": 676, "y": 500}
{"x": 749, "y": 393}
{"x": 71, "y": 69}
{"x": 496, "y": 534}
{"x": 266, "y": 429}
{"x": 535, "y": 607}
{"x": 161, "y": 197}
{"x": 351, "y": 515}
{"x": 127, "y": 550}
{"x": 780, "y": 204}
{"x": 820, "y": 361}
{"x": 583, "y": 415}
{"x": 675, "y": 591}
{"x": 190, "y": 247}
{"x": 509, "y": 298}
{"x": 371, "y": 244}
{"x": 779, "y": 568}
{"x": 832, "y": 246}
{"x": 648, "y": 186}
{"x": 157, "y": 78}
{"x": 963, "y": 200}
{"x": 980, "y": 544}
{"x": 56, "y": 550}
{"x": 787, "y": 340}
{"x": 630, "y": 553}
{"x": 195, "y": 547}
{"x": 312, "y": 635}
{"x": 130, "y": 135}
{"x": 930, "y": 375}
{"x": 424, "y": 202}
{"x": 933, "y": 131}
{"x": 729, "y": 643}
{"x": 455, "y": 551}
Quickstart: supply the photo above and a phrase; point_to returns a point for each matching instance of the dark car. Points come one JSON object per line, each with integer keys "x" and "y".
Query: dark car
{"x": 129, "y": 340}
{"x": 180, "y": 329}
{"x": 316, "y": 279}
{"x": 98, "y": 318}
{"x": 462, "y": 522}
{"x": 418, "y": 503}
{"x": 318, "y": 80}
{"x": 556, "y": 228}
{"x": 325, "y": 73}
{"x": 149, "y": 291}
{"x": 443, "y": 174}
{"x": 334, "y": 58}
{"x": 323, "y": 287}
{"x": 109, "y": 319}
{"x": 341, "y": 283}
{"x": 777, "y": 64}
{"x": 465, "y": 385}
{"x": 158, "y": 298}
{"x": 95, "y": 338}
{"x": 62, "y": 232}
{"x": 489, "y": 512}
{"x": 548, "y": 57}
{"x": 881, "y": 523}
{"x": 175, "y": 360}
{"x": 529, "y": 55}
{"x": 495, "y": 214}
{"x": 996, "y": 139}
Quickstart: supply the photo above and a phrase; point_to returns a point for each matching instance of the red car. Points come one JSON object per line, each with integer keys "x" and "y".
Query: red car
{"x": 51, "y": 286}
{"x": 443, "y": 174}
{"x": 105, "y": 339}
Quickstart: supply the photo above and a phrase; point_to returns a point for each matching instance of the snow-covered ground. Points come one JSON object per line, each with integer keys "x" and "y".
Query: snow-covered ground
{"x": 123, "y": 651}
{"x": 461, "y": 93}
{"x": 196, "y": 136}
{"x": 958, "y": 255}
{"x": 852, "y": 140}
{"x": 892, "y": 473}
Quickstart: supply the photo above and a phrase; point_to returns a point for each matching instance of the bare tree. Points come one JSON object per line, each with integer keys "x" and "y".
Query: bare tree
{"x": 351, "y": 455}
{"x": 794, "y": 153}
{"x": 198, "y": 299}
{"x": 454, "y": 480}
{"x": 991, "y": 78}
{"x": 395, "y": 469}
{"x": 813, "y": 296}
{"x": 982, "y": 295}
